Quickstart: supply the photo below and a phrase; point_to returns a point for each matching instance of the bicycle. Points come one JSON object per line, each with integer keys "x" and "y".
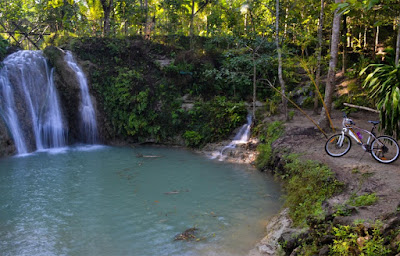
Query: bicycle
{"x": 383, "y": 149}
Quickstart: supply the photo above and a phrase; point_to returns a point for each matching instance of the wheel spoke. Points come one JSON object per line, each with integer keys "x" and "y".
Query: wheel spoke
{"x": 385, "y": 149}
{"x": 337, "y": 145}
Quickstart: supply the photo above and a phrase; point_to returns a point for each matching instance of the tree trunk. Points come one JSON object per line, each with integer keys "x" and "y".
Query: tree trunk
{"x": 254, "y": 85}
{"x": 365, "y": 37}
{"x": 191, "y": 29}
{"x": 147, "y": 25}
{"x": 280, "y": 75}
{"x": 107, "y": 7}
{"x": 319, "y": 56}
{"x": 330, "y": 82}
{"x": 376, "y": 39}
{"x": 344, "y": 42}
{"x": 397, "y": 43}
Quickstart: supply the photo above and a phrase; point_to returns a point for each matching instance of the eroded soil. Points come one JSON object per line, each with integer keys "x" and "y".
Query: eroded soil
{"x": 358, "y": 170}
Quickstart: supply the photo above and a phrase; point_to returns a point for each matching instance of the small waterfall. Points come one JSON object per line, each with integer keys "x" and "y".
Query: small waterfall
{"x": 88, "y": 115}
{"x": 242, "y": 137}
{"x": 7, "y": 109}
{"x": 29, "y": 102}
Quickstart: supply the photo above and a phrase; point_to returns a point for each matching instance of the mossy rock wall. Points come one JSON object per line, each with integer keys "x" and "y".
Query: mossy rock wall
{"x": 7, "y": 146}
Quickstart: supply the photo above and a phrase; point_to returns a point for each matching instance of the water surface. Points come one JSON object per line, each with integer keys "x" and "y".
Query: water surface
{"x": 111, "y": 201}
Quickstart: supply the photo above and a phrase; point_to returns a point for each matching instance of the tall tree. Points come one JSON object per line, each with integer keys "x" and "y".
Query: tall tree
{"x": 107, "y": 8}
{"x": 280, "y": 73}
{"x": 319, "y": 55}
{"x": 397, "y": 43}
{"x": 330, "y": 82}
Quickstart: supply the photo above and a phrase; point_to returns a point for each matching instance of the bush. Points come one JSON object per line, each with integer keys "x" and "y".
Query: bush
{"x": 363, "y": 200}
{"x": 216, "y": 119}
{"x": 382, "y": 83}
{"x": 358, "y": 240}
{"x": 307, "y": 184}
{"x": 192, "y": 139}
{"x": 268, "y": 135}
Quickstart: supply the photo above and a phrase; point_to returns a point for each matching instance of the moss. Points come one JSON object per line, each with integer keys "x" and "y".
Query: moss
{"x": 268, "y": 135}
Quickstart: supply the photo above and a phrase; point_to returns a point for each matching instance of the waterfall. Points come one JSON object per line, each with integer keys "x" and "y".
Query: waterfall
{"x": 7, "y": 109}
{"x": 29, "y": 102}
{"x": 88, "y": 124}
{"x": 241, "y": 137}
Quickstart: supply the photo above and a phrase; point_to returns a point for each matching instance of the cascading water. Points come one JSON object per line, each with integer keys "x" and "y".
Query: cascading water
{"x": 7, "y": 110}
{"x": 29, "y": 102}
{"x": 242, "y": 137}
{"x": 87, "y": 112}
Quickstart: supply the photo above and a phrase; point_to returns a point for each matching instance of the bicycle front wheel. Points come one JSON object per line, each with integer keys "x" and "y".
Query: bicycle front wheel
{"x": 338, "y": 145}
{"x": 385, "y": 149}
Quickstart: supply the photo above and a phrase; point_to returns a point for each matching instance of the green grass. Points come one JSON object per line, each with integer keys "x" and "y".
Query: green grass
{"x": 307, "y": 185}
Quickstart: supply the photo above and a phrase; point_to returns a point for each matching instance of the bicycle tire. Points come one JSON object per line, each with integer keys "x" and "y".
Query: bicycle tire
{"x": 331, "y": 145}
{"x": 385, "y": 154}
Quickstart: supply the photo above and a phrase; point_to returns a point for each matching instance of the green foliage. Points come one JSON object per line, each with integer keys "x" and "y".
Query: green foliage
{"x": 3, "y": 48}
{"x": 264, "y": 156}
{"x": 291, "y": 114}
{"x": 267, "y": 135}
{"x": 363, "y": 200}
{"x": 383, "y": 83}
{"x": 358, "y": 240}
{"x": 342, "y": 210}
{"x": 192, "y": 139}
{"x": 214, "y": 120}
{"x": 138, "y": 101}
{"x": 130, "y": 106}
{"x": 270, "y": 132}
{"x": 307, "y": 185}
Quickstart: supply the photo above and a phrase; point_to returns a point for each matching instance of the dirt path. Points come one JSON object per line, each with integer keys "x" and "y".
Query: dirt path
{"x": 357, "y": 169}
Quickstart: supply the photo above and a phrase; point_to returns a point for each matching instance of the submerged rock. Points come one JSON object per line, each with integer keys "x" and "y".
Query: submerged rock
{"x": 187, "y": 235}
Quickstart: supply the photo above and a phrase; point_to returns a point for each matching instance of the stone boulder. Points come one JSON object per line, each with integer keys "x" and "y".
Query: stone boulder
{"x": 277, "y": 226}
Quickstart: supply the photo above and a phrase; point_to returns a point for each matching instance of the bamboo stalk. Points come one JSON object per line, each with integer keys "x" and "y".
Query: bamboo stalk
{"x": 304, "y": 65}
{"x": 302, "y": 111}
{"x": 361, "y": 107}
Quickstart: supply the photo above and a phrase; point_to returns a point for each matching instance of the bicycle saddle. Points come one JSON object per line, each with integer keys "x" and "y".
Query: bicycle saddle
{"x": 374, "y": 122}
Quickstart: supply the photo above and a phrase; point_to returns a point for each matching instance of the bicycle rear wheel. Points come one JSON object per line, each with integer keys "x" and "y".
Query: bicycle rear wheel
{"x": 338, "y": 145}
{"x": 385, "y": 149}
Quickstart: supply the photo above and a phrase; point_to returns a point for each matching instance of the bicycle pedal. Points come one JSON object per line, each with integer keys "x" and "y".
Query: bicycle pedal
{"x": 366, "y": 148}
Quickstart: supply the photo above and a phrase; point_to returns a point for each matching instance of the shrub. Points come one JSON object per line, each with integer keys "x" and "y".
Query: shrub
{"x": 192, "y": 139}
{"x": 307, "y": 184}
{"x": 363, "y": 200}
{"x": 267, "y": 134}
{"x": 216, "y": 119}
{"x": 383, "y": 84}
{"x": 358, "y": 240}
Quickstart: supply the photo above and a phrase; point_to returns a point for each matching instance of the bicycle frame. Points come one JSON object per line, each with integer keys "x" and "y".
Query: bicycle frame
{"x": 349, "y": 129}
{"x": 383, "y": 149}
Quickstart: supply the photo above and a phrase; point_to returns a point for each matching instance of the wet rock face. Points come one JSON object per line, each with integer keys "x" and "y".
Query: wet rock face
{"x": 7, "y": 146}
{"x": 68, "y": 87}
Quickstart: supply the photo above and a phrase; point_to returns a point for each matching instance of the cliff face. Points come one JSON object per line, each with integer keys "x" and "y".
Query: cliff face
{"x": 68, "y": 88}
{"x": 6, "y": 143}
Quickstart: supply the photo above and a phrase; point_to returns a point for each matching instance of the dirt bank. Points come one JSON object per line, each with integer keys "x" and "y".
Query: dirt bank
{"x": 357, "y": 170}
